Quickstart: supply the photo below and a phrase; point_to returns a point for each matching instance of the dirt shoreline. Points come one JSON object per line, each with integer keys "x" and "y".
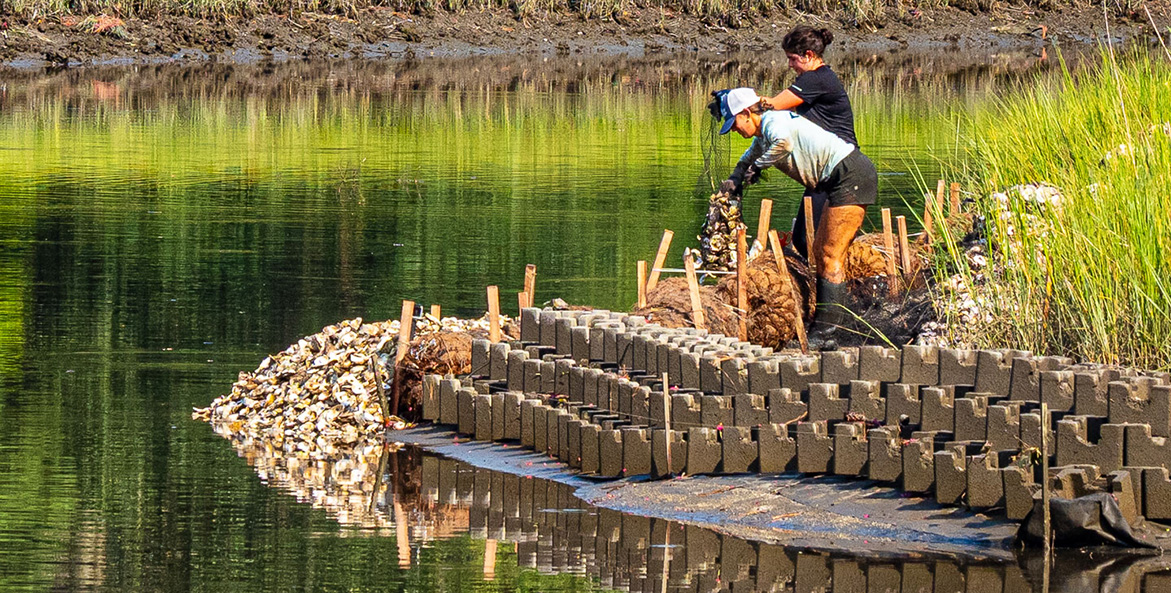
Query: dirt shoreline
{"x": 69, "y": 40}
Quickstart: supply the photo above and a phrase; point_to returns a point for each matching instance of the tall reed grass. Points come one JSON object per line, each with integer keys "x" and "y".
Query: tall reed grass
{"x": 1088, "y": 273}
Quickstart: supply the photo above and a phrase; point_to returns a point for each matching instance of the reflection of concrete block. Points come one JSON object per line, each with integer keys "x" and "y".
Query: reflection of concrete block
{"x": 920, "y": 365}
{"x": 1004, "y": 427}
{"x": 1141, "y": 400}
{"x": 994, "y": 370}
{"x": 703, "y": 451}
{"x": 866, "y": 399}
{"x": 825, "y": 402}
{"x": 937, "y": 409}
{"x": 1145, "y": 450}
{"x": 610, "y": 450}
{"x": 482, "y": 410}
{"x": 715, "y": 410}
{"x": 660, "y": 441}
{"x": 466, "y": 401}
{"x": 902, "y": 400}
{"x": 749, "y": 410}
{"x": 850, "y": 449}
{"x": 951, "y": 478}
{"x": 636, "y": 451}
{"x": 763, "y": 375}
{"x": 797, "y": 373}
{"x": 735, "y": 375}
{"x": 591, "y": 462}
{"x": 839, "y": 366}
{"x": 919, "y": 463}
{"x": 1019, "y": 489}
{"x": 971, "y": 418}
{"x": 430, "y": 397}
{"x": 1057, "y": 390}
{"x": 815, "y": 448}
{"x": 739, "y": 450}
{"x": 1156, "y": 494}
{"x": 1086, "y": 440}
{"x": 957, "y": 367}
{"x": 530, "y": 324}
{"x": 885, "y": 454}
{"x": 777, "y": 449}
{"x": 785, "y": 405}
{"x": 879, "y": 363}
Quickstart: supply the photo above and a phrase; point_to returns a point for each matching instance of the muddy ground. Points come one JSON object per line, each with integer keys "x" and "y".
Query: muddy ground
{"x": 384, "y": 33}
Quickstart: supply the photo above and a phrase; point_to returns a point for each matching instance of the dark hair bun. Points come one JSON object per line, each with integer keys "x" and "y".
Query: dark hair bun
{"x": 827, "y": 36}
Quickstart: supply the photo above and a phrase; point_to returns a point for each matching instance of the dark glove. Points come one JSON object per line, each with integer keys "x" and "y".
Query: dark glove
{"x": 714, "y": 106}
{"x": 731, "y": 187}
{"x": 743, "y": 174}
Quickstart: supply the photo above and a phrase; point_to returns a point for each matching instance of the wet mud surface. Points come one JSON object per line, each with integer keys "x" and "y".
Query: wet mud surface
{"x": 384, "y": 33}
{"x": 824, "y": 514}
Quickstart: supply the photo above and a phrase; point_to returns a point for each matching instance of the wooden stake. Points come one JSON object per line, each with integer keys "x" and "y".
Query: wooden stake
{"x": 641, "y": 268}
{"x": 667, "y": 419}
{"x": 741, "y": 289}
{"x": 406, "y": 324}
{"x": 888, "y": 241}
{"x": 530, "y": 290}
{"x": 809, "y": 236}
{"x": 928, "y": 219}
{"x": 1045, "y": 495}
{"x": 904, "y": 246}
{"x": 955, "y": 198}
{"x": 660, "y": 259}
{"x": 435, "y": 311}
{"x": 693, "y": 288}
{"x": 493, "y": 314}
{"x": 490, "y": 560}
{"x": 783, "y": 268}
{"x": 766, "y": 215}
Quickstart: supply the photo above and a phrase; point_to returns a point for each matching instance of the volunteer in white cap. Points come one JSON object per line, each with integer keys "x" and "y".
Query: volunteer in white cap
{"x": 819, "y": 160}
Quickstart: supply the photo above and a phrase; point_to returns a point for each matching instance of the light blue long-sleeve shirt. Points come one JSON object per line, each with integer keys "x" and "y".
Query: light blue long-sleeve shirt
{"x": 796, "y": 146}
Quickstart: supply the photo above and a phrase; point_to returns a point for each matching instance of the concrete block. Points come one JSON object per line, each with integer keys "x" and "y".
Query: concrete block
{"x": 715, "y": 411}
{"x": 512, "y": 414}
{"x": 1156, "y": 494}
{"x": 1128, "y": 492}
{"x": 608, "y": 387}
{"x": 689, "y": 377}
{"x": 785, "y": 405}
{"x": 636, "y": 451}
{"x": 1141, "y": 400}
{"x": 1057, "y": 390}
{"x": 866, "y": 399}
{"x": 734, "y": 372}
{"x": 430, "y": 397}
{"x": 740, "y": 450}
{"x": 573, "y": 438}
{"x": 749, "y": 410}
{"x": 528, "y": 423}
{"x": 548, "y": 382}
{"x": 466, "y": 401}
{"x": 704, "y": 452}
{"x": 598, "y": 341}
{"x": 839, "y": 366}
{"x": 937, "y": 409}
{"x": 561, "y": 451}
{"x": 797, "y": 373}
{"x": 640, "y": 399}
{"x": 548, "y": 327}
{"x": 625, "y": 397}
{"x": 1074, "y": 481}
{"x": 498, "y": 361}
{"x": 516, "y": 369}
{"x": 610, "y": 342}
{"x": 971, "y": 418}
{"x": 1004, "y": 427}
{"x": 1091, "y": 391}
{"x": 480, "y": 385}
{"x": 624, "y": 346}
{"x": 610, "y": 451}
{"x": 1031, "y": 427}
{"x": 849, "y": 449}
{"x": 685, "y": 411}
{"x": 1019, "y": 489}
{"x": 498, "y": 414}
{"x": 815, "y": 448}
{"x": 957, "y": 367}
{"x": 530, "y": 324}
{"x": 1026, "y": 375}
{"x": 1144, "y": 449}
{"x": 541, "y": 428}
{"x": 1086, "y": 440}
{"x": 920, "y": 365}
{"x": 711, "y": 374}
{"x": 591, "y": 378}
{"x": 763, "y": 375}
{"x": 994, "y": 370}
{"x": 449, "y": 401}
{"x": 579, "y": 344}
{"x": 482, "y": 410}
{"x": 826, "y": 403}
{"x": 885, "y": 454}
{"x": 563, "y": 329}
{"x": 951, "y": 480}
{"x": 879, "y": 363}
{"x": 577, "y": 384}
{"x": 532, "y": 376}
{"x": 561, "y": 370}
{"x": 639, "y": 345}
{"x": 777, "y": 449}
{"x": 918, "y": 457}
{"x": 902, "y": 401}
{"x": 591, "y": 454}
{"x": 660, "y": 441}
{"x": 985, "y": 484}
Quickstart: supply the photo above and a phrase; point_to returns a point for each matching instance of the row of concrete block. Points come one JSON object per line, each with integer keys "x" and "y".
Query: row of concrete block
{"x": 556, "y": 533}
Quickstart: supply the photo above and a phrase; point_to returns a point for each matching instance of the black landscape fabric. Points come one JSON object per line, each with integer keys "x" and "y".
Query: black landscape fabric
{"x": 1087, "y": 521}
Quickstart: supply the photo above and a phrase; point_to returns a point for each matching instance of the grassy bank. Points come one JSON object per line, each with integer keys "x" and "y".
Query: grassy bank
{"x": 1081, "y": 266}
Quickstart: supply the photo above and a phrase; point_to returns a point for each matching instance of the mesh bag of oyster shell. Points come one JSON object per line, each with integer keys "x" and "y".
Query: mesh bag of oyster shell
{"x": 717, "y": 239}
{"x": 772, "y": 309}
{"x": 669, "y": 305}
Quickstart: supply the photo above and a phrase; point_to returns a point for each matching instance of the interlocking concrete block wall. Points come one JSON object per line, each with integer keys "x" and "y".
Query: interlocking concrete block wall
{"x": 1141, "y": 400}
{"x": 885, "y": 454}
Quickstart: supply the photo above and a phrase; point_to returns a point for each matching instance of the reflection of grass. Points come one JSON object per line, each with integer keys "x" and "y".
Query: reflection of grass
{"x": 1091, "y": 278}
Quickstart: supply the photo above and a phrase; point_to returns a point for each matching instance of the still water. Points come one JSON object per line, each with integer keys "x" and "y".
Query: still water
{"x": 163, "y": 228}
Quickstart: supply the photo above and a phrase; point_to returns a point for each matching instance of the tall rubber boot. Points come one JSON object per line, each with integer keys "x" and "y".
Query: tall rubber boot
{"x": 831, "y": 315}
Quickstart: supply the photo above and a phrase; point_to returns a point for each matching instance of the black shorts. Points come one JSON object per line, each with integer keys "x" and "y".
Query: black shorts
{"x": 854, "y": 181}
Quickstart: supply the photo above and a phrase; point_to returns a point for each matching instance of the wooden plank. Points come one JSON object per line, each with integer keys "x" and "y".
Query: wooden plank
{"x": 928, "y": 219}
{"x": 530, "y": 290}
{"x": 809, "y": 237}
{"x": 766, "y": 215}
{"x": 693, "y": 289}
{"x": 493, "y": 314}
{"x": 435, "y": 311}
{"x": 660, "y": 259}
{"x": 741, "y": 288}
{"x": 888, "y": 242}
{"x": 783, "y": 269}
{"x": 641, "y": 273}
{"x": 955, "y": 198}
{"x": 904, "y": 246}
{"x": 406, "y": 323}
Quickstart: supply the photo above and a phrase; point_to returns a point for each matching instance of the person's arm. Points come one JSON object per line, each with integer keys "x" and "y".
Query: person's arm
{"x": 787, "y": 100}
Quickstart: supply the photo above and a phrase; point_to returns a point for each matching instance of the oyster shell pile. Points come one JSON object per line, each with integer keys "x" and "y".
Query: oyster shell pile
{"x": 718, "y": 237}
{"x": 322, "y": 390}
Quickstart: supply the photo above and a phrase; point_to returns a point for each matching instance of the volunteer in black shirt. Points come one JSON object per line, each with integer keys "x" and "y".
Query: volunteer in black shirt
{"x": 818, "y": 95}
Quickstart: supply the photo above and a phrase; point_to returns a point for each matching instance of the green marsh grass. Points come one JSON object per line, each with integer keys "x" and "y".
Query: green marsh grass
{"x": 1091, "y": 278}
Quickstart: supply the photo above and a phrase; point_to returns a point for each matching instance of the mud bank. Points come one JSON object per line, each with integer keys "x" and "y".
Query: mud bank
{"x": 67, "y": 40}
{"x": 824, "y": 514}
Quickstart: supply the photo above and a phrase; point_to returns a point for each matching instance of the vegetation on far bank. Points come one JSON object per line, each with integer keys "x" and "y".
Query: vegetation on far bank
{"x": 1081, "y": 264}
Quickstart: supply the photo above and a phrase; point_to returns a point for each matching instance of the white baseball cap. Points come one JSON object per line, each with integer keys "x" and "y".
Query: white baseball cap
{"x": 735, "y": 101}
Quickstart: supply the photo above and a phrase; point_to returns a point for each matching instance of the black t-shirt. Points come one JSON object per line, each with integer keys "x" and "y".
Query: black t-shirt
{"x": 825, "y": 102}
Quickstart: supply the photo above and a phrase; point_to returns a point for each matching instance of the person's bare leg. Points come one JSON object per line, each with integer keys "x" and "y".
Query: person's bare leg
{"x": 839, "y": 225}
